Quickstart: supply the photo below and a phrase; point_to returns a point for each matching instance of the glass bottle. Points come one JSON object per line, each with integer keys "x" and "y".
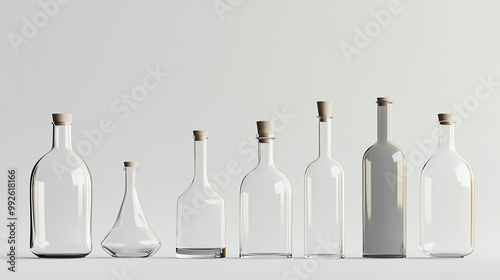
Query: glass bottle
{"x": 265, "y": 204}
{"x": 131, "y": 236}
{"x": 61, "y": 199}
{"x": 447, "y": 199}
{"x": 324, "y": 196}
{"x": 384, "y": 192}
{"x": 200, "y": 211}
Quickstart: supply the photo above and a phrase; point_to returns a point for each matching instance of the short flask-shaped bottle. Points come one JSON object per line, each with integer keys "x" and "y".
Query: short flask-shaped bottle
{"x": 384, "y": 192}
{"x": 200, "y": 211}
{"x": 265, "y": 204}
{"x": 131, "y": 236}
{"x": 447, "y": 199}
{"x": 324, "y": 196}
{"x": 61, "y": 199}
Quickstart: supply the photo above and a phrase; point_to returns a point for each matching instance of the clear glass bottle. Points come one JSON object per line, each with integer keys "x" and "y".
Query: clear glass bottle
{"x": 131, "y": 236}
{"x": 384, "y": 192}
{"x": 265, "y": 204}
{"x": 447, "y": 199}
{"x": 201, "y": 229}
{"x": 324, "y": 196}
{"x": 61, "y": 199}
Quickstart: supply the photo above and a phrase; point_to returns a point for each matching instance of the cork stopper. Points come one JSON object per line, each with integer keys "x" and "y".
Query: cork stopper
{"x": 446, "y": 118}
{"x": 200, "y": 135}
{"x": 324, "y": 110}
{"x": 265, "y": 129}
{"x": 62, "y": 118}
{"x": 131, "y": 164}
{"x": 383, "y": 101}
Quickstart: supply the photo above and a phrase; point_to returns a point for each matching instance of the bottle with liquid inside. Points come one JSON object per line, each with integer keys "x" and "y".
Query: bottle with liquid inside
{"x": 201, "y": 220}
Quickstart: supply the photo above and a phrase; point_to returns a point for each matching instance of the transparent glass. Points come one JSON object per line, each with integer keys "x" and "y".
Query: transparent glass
{"x": 384, "y": 193}
{"x": 61, "y": 201}
{"x": 447, "y": 201}
{"x": 265, "y": 208}
{"x": 324, "y": 200}
{"x": 200, "y": 214}
{"x": 131, "y": 236}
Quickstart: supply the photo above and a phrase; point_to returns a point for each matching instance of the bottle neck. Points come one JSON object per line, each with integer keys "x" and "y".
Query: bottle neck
{"x": 266, "y": 152}
{"x": 384, "y": 123}
{"x": 61, "y": 136}
{"x": 200, "y": 161}
{"x": 325, "y": 136}
{"x": 446, "y": 137}
{"x": 130, "y": 179}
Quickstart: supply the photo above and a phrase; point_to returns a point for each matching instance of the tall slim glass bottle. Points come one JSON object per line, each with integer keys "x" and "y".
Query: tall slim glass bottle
{"x": 265, "y": 204}
{"x": 384, "y": 192}
{"x": 324, "y": 196}
{"x": 447, "y": 198}
{"x": 61, "y": 198}
{"x": 201, "y": 230}
{"x": 131, "y": 236}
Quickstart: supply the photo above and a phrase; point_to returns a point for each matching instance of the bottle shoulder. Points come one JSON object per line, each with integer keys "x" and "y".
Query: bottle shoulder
{"x": 265, "y": 174}
{"x": 446, "y": 160}
{"x": 380, "y": 149}
{"x": 62, "y": 156}
{"x": 60, "y": 162}
{"x": 202, "y": 191}
{"x": 326, "y": 164}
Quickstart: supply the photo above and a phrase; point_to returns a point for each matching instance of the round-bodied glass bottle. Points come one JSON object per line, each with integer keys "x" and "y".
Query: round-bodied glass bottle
{"x": 265, "y": 205}
{"x": 61, "y": 199}
{"x": 447, "y": 198}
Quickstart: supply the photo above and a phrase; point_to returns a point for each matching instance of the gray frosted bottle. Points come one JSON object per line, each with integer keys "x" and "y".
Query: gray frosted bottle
{"x": 384, "y": 192}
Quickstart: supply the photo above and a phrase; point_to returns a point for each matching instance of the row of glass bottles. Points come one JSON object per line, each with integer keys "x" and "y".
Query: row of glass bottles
{"x": 61, "y": 194}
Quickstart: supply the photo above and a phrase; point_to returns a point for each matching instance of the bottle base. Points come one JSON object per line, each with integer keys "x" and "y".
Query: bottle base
{"x": 200, "y": 253}
{"x": 326, "y": 256}
{"x": 122, "y": 253}
{"x": 384, "y": 256}
{"x": 61, "y": 256}
{"x": 265, "y": 255}
{"x": 446, "y": 255}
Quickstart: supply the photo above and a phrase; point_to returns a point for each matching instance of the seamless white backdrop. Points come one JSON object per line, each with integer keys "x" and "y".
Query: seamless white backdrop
{"x": 230, "y": 63}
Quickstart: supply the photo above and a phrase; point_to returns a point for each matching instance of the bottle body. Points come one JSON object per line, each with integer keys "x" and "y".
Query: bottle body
{"x": 265, "y": 209}
{"x": 265, "y": 214}
{"x": 384, "y": 201}
{"x": 200, "y": 224}
{"x": 61, "y": 201}
{"x": 324, "y": 201}
{"x": 200, "y": 212}
{"x": 384, "y": 192}
{"x": 447, "y": 203}
{"x": 131, "y": 236}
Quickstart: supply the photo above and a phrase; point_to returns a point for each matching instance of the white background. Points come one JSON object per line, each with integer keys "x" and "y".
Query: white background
{"x": 257, "y": 60}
